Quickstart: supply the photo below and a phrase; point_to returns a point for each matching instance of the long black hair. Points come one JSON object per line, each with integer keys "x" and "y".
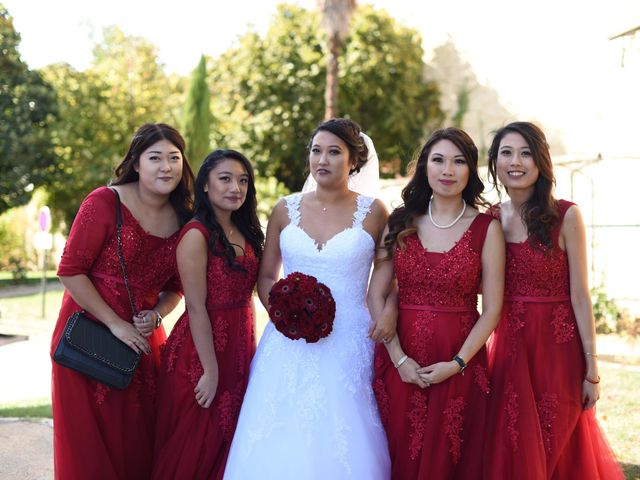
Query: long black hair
{"x": 245, "y": 218}
{"x": 417, "y": 194}
{"x": 182, "y": 196}
{"x": 540, "y": 212}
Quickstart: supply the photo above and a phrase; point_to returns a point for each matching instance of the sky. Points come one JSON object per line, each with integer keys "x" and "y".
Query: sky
{"x": 550, "y": 61}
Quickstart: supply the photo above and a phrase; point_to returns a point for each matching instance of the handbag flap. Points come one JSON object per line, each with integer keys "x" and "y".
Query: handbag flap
{"x": 96, "y": 340}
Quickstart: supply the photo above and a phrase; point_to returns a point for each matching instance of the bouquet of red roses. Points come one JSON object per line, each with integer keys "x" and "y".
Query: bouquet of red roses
{"x": 302, "y": 307}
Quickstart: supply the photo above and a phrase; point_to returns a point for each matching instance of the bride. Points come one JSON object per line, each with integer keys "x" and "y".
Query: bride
{"x": 309, "y": 411}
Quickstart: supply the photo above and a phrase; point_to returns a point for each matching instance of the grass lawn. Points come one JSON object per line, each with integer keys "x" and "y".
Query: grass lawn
{"x": 40, "y": 408}
{"x": 33, "y": 278}
{"x": 619, "y": 413}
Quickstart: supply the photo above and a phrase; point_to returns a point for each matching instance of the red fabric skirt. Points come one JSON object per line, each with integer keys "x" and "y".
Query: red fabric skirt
{"x": 193, "y": 442}
{"x": 435, "y": 432}
{"x": 537, "y": 428}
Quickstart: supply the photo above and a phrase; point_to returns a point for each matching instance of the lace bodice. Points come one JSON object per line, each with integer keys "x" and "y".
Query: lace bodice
{"x": 232, "y": 287}
{"x": 537, "y": 271}
{"x": 450, "y": 279}
{"x": 344, "y": 261}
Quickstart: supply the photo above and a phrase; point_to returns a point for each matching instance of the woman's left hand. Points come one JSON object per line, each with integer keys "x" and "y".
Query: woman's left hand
{"x": 438, "y": 372}
{"x": 145, "y": 322}
{"x": 590, "y": 394}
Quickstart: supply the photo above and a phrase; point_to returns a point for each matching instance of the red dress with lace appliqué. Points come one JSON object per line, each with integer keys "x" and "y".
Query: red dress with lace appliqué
{"x": 100, "y": 432}
{"x": 193, "y": 442}
{"x": 537, "y": 429}
{"x": 436, "y": 432}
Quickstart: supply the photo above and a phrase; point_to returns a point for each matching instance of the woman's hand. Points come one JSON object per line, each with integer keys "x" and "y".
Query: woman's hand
{"x": 206, "y": 388}
{"x": 590, "y": 394}
{"x": 409, "y": 373}
{"x": 130, "y": 336}
{"x": 438, "y": 372}
{"x": 384, "y": 328}
{"x": 145, "y": 322}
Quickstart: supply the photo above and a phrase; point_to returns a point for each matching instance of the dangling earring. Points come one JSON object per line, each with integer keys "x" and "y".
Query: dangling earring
{"x": 206, "y": 189}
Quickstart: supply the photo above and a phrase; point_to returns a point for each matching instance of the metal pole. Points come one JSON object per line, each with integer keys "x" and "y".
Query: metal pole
{"x": 43, "y": 283}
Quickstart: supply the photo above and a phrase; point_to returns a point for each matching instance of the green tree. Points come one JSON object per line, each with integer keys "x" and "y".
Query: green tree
{"x": 197, "y": 119}
{"x": 27, "y": 108}
{"x": 268, "y": 90}
{"x": 100, "y": 109}
{"x": 384, "y": 87}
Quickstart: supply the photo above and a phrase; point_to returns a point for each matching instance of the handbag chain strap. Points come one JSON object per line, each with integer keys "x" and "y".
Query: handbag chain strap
{"x": 120, "y": 255}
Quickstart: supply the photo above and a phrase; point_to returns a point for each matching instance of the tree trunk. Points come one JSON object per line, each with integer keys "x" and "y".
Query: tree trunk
{"x": 331, "y": 87}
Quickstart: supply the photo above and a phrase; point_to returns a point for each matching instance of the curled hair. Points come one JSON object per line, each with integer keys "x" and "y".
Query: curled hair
{"x": 540, "y": 212}
{"x": 349, "y": 132}
{"x": 416, "y": 195}
{"x": 245, "y": 218}
{"x": 182, "y": 196}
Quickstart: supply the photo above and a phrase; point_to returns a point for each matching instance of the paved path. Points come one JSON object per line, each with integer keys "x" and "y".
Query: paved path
{"x": 26, "y": 449}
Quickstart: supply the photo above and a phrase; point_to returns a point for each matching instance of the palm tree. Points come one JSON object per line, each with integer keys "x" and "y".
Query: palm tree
{"x": 335, "y": 20}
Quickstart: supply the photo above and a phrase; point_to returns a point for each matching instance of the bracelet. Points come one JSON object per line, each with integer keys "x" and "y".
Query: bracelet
{"x": 401, "y": 361}
{"x": 461, "y": 363}
{"x": 591, "y": 354}
{"x": 158, "y": 318}
{"x": 593, "y": 382}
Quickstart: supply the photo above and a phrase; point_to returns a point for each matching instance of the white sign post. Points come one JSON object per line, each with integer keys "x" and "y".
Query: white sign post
{"x": 43, "y": 240}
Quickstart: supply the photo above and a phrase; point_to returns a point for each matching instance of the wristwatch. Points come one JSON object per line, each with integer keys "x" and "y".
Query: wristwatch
{"x": 460, "y": 362}
{"x": 158, "y": 318}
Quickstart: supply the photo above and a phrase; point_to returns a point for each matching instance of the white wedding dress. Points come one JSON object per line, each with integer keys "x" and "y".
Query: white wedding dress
{"x": 309, "y": 411}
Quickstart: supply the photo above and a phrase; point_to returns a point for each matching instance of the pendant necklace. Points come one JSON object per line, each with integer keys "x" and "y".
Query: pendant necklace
{"x": 464, "y": 207}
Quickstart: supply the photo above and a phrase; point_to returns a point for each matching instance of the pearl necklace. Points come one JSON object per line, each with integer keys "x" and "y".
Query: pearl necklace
{"x": 464, "y": 207}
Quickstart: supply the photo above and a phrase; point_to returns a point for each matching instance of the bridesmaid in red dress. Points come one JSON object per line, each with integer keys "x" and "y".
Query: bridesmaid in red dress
{"x": 205, "y": 362}
{"x": 431, "y": 381}
{"x": 100, "y": 432}
{"x": 543, "y": 353}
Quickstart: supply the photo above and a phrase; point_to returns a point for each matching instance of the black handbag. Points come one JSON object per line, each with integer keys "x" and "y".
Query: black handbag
{"x": 88, "y": 346}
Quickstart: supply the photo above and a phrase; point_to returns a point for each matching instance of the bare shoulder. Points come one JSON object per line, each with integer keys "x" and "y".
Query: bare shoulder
{"x": 494, "y": 232}
{"x": 378, "y": 209}
{"x": 279, "y": 215}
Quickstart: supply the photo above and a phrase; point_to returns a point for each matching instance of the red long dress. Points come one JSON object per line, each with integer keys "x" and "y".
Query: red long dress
{"x": 101, "y": 432}
{"x": 537, "y": 428}
{"x": 193, "y": 442}
{"x": 436, "y": 432}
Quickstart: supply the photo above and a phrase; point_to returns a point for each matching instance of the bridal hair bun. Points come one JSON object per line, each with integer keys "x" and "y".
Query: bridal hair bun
{"x": 350, "y": 133}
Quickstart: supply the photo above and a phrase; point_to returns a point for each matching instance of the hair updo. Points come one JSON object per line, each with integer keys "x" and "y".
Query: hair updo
{"x": 349, "y": 132}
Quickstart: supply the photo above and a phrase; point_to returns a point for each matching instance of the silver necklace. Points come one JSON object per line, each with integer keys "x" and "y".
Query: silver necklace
{"x": 464, "y": 207}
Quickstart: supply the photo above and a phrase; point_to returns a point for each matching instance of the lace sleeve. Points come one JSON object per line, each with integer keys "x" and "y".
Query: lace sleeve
{"x": 93, "y": 226}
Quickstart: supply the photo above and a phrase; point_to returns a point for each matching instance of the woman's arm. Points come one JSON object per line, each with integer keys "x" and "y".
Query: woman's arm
{"x": 575, "y": 242}
{"x": 271, "y": 258}
{"x": 493, "y": 263}
{"x": 87, "y": 297}
{"x": 145, "y": 320}
{"x": 192, "y": 256}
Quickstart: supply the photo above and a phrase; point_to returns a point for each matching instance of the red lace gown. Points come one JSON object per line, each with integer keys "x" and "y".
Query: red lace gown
{"x": 537, "y": 428}
{"x": 436, "y": 432}
{"x": 193, "y": 442}
{"x": 101, "y": 432}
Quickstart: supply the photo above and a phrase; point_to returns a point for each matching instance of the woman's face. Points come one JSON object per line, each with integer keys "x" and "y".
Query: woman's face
{"x": 227, "y": 186}
{"x": 515, "y": 165}
{"x": 160, "y": 167}
{"x": 329, "y": 159}
{"x": 447, "y": 169}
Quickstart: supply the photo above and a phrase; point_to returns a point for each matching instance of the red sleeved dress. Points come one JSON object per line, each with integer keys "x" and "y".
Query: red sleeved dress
{"x": 193, "y": 442}
{"x": 101, "y": 432}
